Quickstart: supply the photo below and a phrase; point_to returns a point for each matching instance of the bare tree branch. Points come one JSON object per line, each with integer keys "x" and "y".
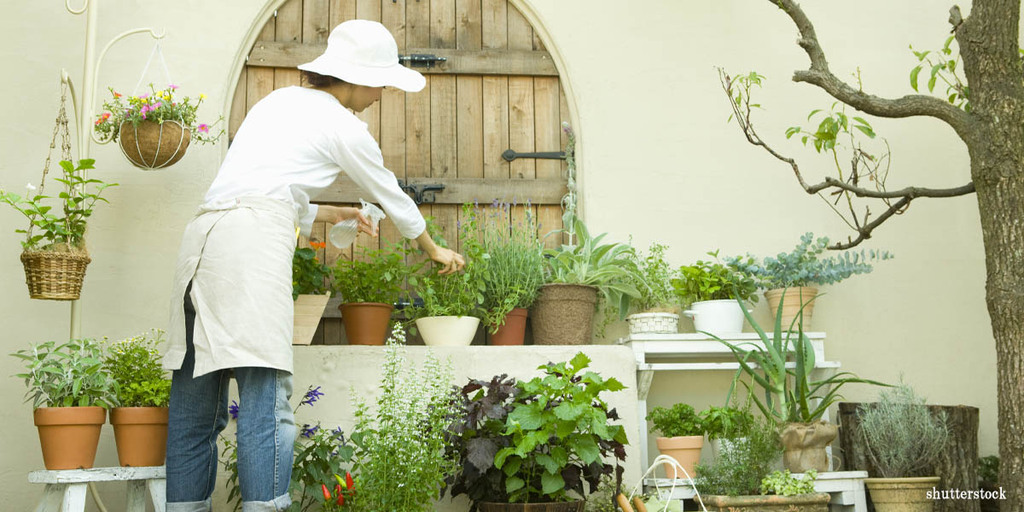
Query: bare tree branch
{"x": 911, "y": 192}
{"x": 819, "y": 75}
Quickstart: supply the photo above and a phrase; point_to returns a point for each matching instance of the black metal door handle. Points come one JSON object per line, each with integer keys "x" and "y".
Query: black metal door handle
{"x": 510, "y": 155}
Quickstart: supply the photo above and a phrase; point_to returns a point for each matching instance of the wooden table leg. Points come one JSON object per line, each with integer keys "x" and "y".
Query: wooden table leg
{"x": 158, "y": 491}
{"x": 52, "y": 497}
{"x": 74, "y": 497}
{"x": 136, "y": 496}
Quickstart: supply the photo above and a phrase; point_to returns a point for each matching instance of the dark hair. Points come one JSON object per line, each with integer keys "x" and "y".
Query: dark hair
{"x": 318, "y": 80}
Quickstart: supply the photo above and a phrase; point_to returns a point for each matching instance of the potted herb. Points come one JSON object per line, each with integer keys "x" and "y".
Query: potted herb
{"x": 532, "y": 445}
{"x": 309, "y": 291}
{"x": 798, "y": 273}
{"x": 574, "y": 274}
{"x": 656, "y": 306}
{"x": 791, "y": 396}
{"x": 724, "y": 424}
{"x": 453, "y": 303}
{"x": 70, "y": 393}
{"x": 370, "y": 285}
{"x": 153, "y": 129}
{"x": 143, "y": 393}
{"x": 902, "y": 436}
{"x": 54, "y": 252}
{"x": 742, "y": 480}
{"x": 514, "y": 273}
{"x": 682, "y": 437}
{"x": 711, "y": 289}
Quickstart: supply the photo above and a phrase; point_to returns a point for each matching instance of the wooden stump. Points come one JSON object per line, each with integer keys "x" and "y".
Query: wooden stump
{"x": 957, "y": 465}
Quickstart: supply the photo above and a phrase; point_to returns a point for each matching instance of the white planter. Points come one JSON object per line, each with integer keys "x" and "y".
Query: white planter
{"x": 718, "y": 317}
{"x": 643, "y": 323}
{"x": 447, "y": 331}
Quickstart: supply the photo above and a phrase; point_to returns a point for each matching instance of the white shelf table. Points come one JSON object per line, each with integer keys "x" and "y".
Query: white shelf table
{"x": 65, "y": 489}
{"x": 846, "y": 489}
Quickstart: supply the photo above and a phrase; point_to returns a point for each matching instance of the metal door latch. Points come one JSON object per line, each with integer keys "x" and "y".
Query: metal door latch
{"x": 421, "y": 60}
{"x": 420, "y": 193}
{"x": 510, "y": 155}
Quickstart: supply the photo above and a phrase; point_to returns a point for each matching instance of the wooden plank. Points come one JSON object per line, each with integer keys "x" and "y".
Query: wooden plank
{"x": 468, "y": 23}
{"x": 442, "y": 24}
{"x": 259, "y": 82}
{"x": 316, "y": 19}
{"x": 495, "y": 126}
{"x": 417, "y": 24}
{"x": 547, "y": 124}
{"x": 288, "y": 30}
{"x": 392, "y": 16}
{"x": 489, "y": 61}
{"x": 238, "y": 105}
{"x": 341, "y": 11}
{"x": 470, "y": 127}
{"x": 494, "y": 19}
{"x": 462, "y": 190}
{"x": 368, "y": 10}
{"x": 392, "y": 116}
{"x": 520, "y": 126}
{"x": 443, "y": 143}
{"x": 520, "y": 33}
{"x": 417, "y": 106}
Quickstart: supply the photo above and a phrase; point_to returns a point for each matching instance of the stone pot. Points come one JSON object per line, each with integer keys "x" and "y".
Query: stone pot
{"x": 901, "y": 494}
{"x": 817, "y": 502}
{"x": 566, "y": 506}
{"x": 791, "y": 303}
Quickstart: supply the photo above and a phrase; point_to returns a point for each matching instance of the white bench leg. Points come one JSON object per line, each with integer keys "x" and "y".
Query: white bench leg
{"x": 51, "y": 498}
{"x": 74, "y": 497}
{"x": 136, "y": 501}
{"x": 158, "y": 491}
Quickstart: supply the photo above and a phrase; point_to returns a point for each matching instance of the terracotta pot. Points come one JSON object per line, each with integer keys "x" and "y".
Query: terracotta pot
{"x": 817, "y": 502}
{"x": 152, "y": 145}
{"x": 566, "y": 506}
{"x": 309, "y": 309}
{"x": 366, "y": 323}
{"x": 901, "y": 494}
{"x": 563, "y": 314}
{"x": 69, "y": 435}
{"x": 140, "y": 434}
{"x": 685, "y": 450}
{"x": 653, "y": 323}
{"x": 791, "y": 304}
{"x": 513, "y": 331}
{"x": 804, "y": 445}
{"x": 448, "y": 331}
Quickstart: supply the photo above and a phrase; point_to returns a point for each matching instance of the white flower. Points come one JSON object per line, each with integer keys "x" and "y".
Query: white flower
{"x": 30, "y": 187}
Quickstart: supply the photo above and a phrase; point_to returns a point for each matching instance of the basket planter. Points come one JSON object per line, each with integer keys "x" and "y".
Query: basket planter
{"x": 151, "y": 145}
{"x": 69, "y": 435}
{"x": 565, "y": 506}
{"x": 719, "y": 317}
{"x": 513, "y": 331}
{"x": 804, "y": 445}
{"x": 366, "y": 323}
{"x": 817, "y": 502}
{"x": 795, "y": 297}
{"x": 563, "y": 314}
{"x": 901, "y": 494}
{"x": 140, "y": 434}
{"x": 685, "y": 450}
{"x": 653, "y": 323}
{"x": 447, "y": 331}
{"x": 309, "y": 308}
{"x": 53, "y": 275}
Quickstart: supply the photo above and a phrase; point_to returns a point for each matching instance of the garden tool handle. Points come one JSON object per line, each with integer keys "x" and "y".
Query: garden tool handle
{"x": 623, "y": 502}
{"x": 640, "y": 507}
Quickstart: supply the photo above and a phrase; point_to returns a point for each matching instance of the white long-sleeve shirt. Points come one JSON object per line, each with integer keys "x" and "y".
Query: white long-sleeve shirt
{"x": 292, "y": 146}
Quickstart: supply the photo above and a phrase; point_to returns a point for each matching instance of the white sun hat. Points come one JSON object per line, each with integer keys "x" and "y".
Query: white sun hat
{"x": 363, "y": 52}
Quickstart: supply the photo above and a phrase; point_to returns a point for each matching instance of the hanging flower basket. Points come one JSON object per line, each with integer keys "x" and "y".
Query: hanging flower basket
{"x": 152, "y": 145}
{"x": 52, "y": 275}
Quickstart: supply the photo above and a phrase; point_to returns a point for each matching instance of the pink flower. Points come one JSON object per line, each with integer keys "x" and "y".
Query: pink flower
{"x": 143, "y": 96}
{"x": 172, "y": 87}
{"x": 157, "y": 105}
{"x": 205, "y": 128}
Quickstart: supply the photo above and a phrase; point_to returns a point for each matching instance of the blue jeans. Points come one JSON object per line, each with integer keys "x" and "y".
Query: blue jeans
{"x": 198, "y": 414}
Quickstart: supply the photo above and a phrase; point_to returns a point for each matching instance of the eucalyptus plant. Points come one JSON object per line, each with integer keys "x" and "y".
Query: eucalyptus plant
{"x": 805, "y": 265}
{"x": 66, "y": 375}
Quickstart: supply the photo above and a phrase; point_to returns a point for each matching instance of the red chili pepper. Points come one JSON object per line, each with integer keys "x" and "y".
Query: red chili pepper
{"x": 348, "y": 480}
{"x": 327, "y": 493}
{"x": 341, "y": 500}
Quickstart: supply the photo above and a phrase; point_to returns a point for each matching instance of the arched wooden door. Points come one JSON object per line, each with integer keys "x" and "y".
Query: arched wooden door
{"x": 497, "y": 90}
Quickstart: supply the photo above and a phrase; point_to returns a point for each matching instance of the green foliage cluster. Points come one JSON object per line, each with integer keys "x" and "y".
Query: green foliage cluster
{"x": 156, "y": 106}
{"x": 135, "y": 365}
{"x": 309, "y": 274}
{"x": 459, "y": 293}
{"x": 943, "y": 65}
{"x": 678, "y": 420}
{"x": 783, "y": 483}
{"x": 742, "y": 462}
{"x": 515, "y": 263}
{"x": 988, "y": 469}
{"x": 901, "y": 433}
{"x": 726, "y": 422}
{"x": 715, "y": 422}
{"x": 66, "y": 375}
{"x": 378, "y": 275}
{"x": 653, "y": 280}
{"x": 805, "y": 266}
{"x": 49, "y": 232}
{"x": 710, "y": 280}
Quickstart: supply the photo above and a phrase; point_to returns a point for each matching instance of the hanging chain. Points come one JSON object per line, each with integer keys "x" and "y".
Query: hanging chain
{"x": 61, "y": 128}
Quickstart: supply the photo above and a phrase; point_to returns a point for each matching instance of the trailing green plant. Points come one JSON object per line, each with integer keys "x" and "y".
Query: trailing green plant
{"x": 400, "y": 456}
{"x": 537, "y": 441}
{"x": 48, "y": 232}
{"x": 900, "y": 432}
{"x": 66, "y": 375}
{"x": 678, "y": 420}
{"x": 805, "y": 266}
{"x": 460, "y": 293}
{"x": 711, "y": 280}
{"x": 742, "y": 463}
{"x": 726, "y": 422}
{"x": 789, "y": 394}
{"x": 783, "y": 483}
{"x": 943, "y": 65}
{"x": 653, "y": 280}
{"x": 134, "y": 364}
{"x": 609, "y": 267}
{"x": 515, "y": 263}
{"x": 378, "y": 275}
{"x": 157, "y": 106}
{"x": 988, "y": 469}
{"x": 309, "y": 274}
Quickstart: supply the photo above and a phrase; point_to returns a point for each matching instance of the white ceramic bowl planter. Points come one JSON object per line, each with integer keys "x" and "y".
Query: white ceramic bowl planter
{"x": 447, "y": 331}
{"x": 719, "y": 317}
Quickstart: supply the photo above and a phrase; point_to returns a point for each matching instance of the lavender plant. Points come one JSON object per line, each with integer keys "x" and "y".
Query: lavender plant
{"x": 515, "y": 263}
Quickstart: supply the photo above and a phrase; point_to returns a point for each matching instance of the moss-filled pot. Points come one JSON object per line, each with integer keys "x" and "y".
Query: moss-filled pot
{"x": 151, "y": 145}
{"x": 566, "y": 506}
{"x": 817, "y": 502}
{"x": 563, "y": 314}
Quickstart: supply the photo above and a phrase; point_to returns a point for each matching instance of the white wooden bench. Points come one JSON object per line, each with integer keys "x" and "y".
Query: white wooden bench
{"x": 845, "y": 487}
{"x": 65, "y": 489}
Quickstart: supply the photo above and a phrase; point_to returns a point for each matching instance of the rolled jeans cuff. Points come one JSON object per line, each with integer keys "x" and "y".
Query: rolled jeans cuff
{"x": 190, "y": 506}
{"x": 279, "y": 503}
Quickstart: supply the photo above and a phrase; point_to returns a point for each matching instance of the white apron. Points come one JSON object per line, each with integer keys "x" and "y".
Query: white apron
{"x": 238, "y": 257}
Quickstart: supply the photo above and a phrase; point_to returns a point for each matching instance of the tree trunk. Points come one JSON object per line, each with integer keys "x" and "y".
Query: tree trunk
{"x": 957, "y": 465}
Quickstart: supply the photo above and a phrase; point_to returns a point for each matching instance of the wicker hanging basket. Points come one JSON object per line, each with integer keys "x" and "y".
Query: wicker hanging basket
{"x": 151, "y": 145}
{"x": 52, "y": 275}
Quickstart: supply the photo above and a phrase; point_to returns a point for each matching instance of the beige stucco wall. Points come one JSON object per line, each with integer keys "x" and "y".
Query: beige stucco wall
{"x": 659, "y": 162}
